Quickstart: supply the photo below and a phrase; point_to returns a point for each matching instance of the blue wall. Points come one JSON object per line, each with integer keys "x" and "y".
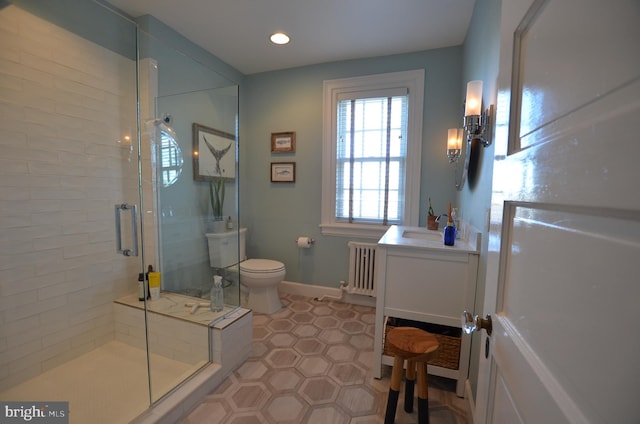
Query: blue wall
{"x": 174, "y": 40}
{"x": 291, "y": 100}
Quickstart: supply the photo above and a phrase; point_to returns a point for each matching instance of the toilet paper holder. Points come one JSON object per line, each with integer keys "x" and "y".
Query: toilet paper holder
{"x": 305, "y": 240}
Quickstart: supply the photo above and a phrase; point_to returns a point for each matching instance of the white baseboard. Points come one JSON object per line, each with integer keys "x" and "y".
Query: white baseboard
{"x": 325, "y": 293}
{"x": 470, "y": 402}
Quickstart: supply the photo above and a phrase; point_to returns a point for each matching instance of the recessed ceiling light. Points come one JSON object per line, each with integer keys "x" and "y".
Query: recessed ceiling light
{"x": 279, "y": 38}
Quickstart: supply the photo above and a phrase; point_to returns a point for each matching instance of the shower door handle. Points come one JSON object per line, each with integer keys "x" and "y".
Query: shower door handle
{"x": 133, "y": 209}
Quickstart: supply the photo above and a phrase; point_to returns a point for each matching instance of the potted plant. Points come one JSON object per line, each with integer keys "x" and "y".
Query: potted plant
{"x": 216, "y": 194}
{"x": 432, "y": 224}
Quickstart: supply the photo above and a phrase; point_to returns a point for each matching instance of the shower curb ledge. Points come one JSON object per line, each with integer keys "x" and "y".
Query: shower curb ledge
{"x": 178, "y": 403}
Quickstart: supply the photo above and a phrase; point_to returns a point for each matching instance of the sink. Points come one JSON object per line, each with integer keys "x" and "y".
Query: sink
{"x": 422, "y": 238}
{"x": 423, "y": 235}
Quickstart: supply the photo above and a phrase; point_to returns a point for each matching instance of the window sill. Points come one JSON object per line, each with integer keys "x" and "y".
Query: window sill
{"x": 354, "y": 230}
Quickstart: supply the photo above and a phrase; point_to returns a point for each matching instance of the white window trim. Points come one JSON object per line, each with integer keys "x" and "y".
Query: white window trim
{"x": 332, "y": 89}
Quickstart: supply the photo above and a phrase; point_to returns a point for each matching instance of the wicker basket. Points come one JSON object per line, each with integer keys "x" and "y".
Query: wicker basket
{"x": 447, "y": 356}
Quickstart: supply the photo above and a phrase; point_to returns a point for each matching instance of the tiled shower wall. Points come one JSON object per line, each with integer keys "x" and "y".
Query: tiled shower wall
{"x": 65, "y": 103}
{"x": 173, "y": 338}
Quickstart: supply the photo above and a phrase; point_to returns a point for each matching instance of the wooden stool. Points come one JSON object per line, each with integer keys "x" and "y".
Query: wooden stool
{"x": 415, "y": 346}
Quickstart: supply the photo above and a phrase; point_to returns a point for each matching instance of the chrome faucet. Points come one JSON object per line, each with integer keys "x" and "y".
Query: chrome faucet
{"x": 440, "y": 216}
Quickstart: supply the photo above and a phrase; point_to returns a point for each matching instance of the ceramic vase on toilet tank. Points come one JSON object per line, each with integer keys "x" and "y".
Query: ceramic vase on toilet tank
{"x": 216, "y": 224}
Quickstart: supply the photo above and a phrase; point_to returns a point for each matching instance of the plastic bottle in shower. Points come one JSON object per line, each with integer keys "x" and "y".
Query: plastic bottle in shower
{"x": 217, "y": 294}
{"x": 141, "y": 290}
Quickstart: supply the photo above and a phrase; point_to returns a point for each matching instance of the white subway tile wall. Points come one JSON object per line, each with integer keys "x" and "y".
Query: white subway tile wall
{"x": 184, "y": 341}
{"x": 65, "y": 103}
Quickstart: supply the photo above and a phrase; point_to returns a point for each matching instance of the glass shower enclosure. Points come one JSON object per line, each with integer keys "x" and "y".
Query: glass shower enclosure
{"x": 102, "y": 177}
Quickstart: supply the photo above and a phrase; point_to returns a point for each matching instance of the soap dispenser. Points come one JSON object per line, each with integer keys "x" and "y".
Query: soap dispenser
{"x": 450, "y": 230}
{"x": 217, "y": 294}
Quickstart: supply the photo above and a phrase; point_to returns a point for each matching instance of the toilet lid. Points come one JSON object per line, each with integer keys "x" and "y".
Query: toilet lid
{"x": 261, "y": 266}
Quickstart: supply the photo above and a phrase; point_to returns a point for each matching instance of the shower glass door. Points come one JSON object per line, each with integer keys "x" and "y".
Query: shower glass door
{"x": 181, "y": 101}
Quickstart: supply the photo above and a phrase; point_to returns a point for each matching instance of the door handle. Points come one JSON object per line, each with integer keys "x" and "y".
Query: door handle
{"x": 472, "y": 323}
{"x": 134, "y": 229}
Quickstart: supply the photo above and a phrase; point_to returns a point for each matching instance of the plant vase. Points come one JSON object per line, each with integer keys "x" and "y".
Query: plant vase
{"x": 216, "y": 224}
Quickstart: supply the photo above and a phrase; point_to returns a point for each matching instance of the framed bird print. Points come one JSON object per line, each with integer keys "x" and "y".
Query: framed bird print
{"x": 214, "y": 154}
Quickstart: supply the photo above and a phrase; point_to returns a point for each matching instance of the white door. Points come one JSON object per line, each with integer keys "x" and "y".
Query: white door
{"x": 563, "y": 280}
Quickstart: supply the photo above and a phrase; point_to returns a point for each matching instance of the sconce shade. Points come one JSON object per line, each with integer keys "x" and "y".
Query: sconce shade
{"x": 454, "y": 140}
{"x": 454, "y": 144}
{"x": 474, "y": 98}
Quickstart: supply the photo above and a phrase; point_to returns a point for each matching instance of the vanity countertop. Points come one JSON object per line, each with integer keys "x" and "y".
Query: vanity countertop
{"x": 422, "y": 238}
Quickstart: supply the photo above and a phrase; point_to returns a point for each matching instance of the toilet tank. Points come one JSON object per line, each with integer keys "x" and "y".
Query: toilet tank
{"x": 223, "y": 247}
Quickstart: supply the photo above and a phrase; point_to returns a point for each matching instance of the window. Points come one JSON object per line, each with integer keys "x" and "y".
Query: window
{"x": 370, "y": 159}
{"x": 371, "y": 154}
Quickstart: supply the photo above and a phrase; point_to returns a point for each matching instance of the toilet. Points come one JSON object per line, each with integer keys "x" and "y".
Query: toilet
{"x": 259, "y": 278}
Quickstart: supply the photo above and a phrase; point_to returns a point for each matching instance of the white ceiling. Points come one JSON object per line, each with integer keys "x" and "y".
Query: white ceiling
{"x": 237, "y": 31}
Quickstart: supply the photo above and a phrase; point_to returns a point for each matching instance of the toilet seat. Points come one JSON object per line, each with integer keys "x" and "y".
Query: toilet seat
{"x": 261, "y": 266}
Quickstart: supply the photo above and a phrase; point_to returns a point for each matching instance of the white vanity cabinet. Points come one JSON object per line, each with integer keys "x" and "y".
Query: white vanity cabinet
{"x": 420, "y": 279}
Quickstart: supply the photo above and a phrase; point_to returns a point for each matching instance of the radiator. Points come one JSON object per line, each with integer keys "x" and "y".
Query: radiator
{"x": 362, "y": 269}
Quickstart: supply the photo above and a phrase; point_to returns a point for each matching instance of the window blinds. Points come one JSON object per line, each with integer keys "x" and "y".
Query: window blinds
{"x": 371, "y": 157}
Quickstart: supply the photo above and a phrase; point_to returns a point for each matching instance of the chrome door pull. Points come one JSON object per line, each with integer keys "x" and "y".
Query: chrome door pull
{"x": 134, "y": 229}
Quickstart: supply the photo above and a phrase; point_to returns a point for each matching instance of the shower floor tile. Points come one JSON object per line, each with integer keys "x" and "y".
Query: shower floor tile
{"x": 311, "y": 363}
{"x": 113, "y": 374}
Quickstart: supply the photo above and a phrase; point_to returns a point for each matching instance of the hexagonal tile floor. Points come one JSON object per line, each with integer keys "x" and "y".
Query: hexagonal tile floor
{"x": 311, "y": 363}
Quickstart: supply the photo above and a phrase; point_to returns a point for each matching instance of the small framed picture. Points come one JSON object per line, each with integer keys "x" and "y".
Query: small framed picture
{"x": 283, "y": 142}
{"x": 283, "y": 172}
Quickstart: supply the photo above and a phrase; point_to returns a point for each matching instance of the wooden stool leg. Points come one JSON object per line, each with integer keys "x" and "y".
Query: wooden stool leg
{"x": 423, "y": 394}
{"x": 394, "y": 390}
{"x": 409, "y": 386}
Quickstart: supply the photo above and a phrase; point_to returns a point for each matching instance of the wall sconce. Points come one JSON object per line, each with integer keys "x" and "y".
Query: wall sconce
{"x": 477, "y": 123}
{"x": 454, "y": 144}
{"x": 454, "y": 151}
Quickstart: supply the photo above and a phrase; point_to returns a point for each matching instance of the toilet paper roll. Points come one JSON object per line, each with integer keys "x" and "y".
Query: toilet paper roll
{"x": 304, "y": 242}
